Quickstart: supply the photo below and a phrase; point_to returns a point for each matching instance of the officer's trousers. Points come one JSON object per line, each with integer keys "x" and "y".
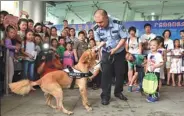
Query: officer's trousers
{"x": 112, "y": 68}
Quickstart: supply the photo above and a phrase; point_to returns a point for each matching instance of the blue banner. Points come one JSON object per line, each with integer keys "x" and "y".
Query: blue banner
{"x": 157, "y": 27}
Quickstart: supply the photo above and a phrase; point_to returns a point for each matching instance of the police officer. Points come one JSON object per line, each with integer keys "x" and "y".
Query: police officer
{"x": 111, "y": 36}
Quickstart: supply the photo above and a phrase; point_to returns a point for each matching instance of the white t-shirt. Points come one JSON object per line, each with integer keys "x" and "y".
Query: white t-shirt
{"x": 133, "y": 45}
{"x": 145, "y": 39}
{"x": 154, "y": 59}
{"x": 169, "y": 46}
{"x": 30, "y": 49}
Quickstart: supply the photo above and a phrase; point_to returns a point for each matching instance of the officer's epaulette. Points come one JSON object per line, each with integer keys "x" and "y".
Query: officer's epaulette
{"x": 95, "y": 27}
{"x": 118, "y": 22}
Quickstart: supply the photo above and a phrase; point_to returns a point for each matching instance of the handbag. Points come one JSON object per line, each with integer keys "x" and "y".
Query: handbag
{"x": 150, "y": 83}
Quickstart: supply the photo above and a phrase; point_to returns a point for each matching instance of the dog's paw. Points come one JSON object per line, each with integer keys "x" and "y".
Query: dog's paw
{"x": 89, "y": 109}
{"x": 69, "y": 112}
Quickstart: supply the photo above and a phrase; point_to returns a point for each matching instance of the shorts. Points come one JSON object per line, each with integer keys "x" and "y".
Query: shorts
{"x": 131, "y": 66}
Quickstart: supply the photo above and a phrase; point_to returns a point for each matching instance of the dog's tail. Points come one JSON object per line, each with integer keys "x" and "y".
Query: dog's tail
{"x": 23, "y": 87}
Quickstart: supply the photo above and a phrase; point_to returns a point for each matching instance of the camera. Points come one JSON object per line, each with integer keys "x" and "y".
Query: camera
{"x": 47, "y": 53}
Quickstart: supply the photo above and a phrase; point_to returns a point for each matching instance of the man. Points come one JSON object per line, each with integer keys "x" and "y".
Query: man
{"x": 65, "y": 23}
{"x": 146, "y": 38}
{"x": 110, "y": 35}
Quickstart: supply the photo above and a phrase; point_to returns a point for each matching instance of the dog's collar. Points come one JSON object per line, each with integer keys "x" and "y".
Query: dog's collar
{"x": 74, "y": 73}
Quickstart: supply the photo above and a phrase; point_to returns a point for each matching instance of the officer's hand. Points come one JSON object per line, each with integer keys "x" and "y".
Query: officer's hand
{"x": 113, "y": 51}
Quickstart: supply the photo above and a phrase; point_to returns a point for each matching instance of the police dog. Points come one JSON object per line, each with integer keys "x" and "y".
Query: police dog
{"x": 53, "y": 82}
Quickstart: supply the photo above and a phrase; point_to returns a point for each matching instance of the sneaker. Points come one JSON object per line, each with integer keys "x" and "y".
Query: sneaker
{"x": 137, "y": 89}
{"x": 129, "y": 88}
{"x": 151, "y": 99}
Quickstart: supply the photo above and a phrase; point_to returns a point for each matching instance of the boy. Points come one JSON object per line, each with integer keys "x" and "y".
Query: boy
{"x": 154, "y": 63}
{"x": 61, "y": 49}
{"x": 80, "y": 46}
{"x": 136, "y": 63}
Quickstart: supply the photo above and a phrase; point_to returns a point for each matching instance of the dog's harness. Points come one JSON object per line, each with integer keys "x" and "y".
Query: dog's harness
{"x": 76, "y": 74}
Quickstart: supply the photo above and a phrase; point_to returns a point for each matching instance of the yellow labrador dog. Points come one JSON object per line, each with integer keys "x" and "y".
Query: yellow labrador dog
{"x": 53, "y": 82}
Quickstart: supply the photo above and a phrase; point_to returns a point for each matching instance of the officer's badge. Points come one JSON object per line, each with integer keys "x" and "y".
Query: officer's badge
{"x": 116, "y": 21}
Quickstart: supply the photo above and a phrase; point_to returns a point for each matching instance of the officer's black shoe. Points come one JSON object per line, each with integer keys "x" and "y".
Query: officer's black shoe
{"x": 105, "y": 101}
{"x": 121, "y": 96}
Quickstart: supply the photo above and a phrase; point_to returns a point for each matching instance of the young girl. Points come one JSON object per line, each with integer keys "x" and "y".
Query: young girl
{"x": 28, "y": 49}
{"x": 176, "y": 62}
{"x": 10, "y": 32}
{"x": 162, "y": 51}
{"x": 154, "y": 63}
{"x": 68, "y": 57}
{"x": 22, "y": 26}
{"x": 38, "y": 29}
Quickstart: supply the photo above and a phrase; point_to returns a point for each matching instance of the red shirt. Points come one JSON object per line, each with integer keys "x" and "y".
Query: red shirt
{"x": 49, "y": 66}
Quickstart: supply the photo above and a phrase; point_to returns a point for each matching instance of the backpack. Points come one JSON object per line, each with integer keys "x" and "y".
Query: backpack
{"x": 129, "y": 41}
{"x": 150, "y": 83}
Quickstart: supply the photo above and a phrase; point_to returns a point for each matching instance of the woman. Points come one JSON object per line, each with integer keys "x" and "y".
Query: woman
{"x": 71, "y": 37}
{"x": 168, "y": 44}
{"x": 133, "y": 46}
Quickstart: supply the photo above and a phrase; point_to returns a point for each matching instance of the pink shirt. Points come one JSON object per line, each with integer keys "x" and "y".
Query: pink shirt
{"x": 68, "y": 58}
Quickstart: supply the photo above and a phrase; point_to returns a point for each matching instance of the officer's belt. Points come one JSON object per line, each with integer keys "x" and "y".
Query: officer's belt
{"x": 75, "y": 74}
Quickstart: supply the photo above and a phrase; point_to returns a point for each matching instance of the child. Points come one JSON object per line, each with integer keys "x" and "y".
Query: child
{"x": 38, "y": 43}
{"x": 162, "y": 51}
{"x": 22, "y": 26}
{"x": 136, "y": 63}
{"x": 54, "y": 45}
{"x": 38, "y": 29}
{"x": 68, "y": 57}
{"x": 154, "y": 63}
{"x": 176, "y": 62}
{"x": 61, "y": 48}
{"x": 80, "y": 46}
{"x": 28, "y": 49}
{"x": 53, "y": 33}
{"x": 92, "y": 43}
{"x": 96, "y": 77}
{"x": 10, "y": 32}
{"x": 46, "y": 38}
{"x": 30, "y": 24}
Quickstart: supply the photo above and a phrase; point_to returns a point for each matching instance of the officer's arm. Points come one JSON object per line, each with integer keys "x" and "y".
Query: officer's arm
{"x": 97, "y": 39}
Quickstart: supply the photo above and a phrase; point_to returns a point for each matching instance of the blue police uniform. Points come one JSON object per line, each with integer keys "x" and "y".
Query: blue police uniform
{"x": 112, "y": 66}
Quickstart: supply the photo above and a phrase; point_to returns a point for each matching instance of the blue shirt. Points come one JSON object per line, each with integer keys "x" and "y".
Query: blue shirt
{"x": 112, "y": 35}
